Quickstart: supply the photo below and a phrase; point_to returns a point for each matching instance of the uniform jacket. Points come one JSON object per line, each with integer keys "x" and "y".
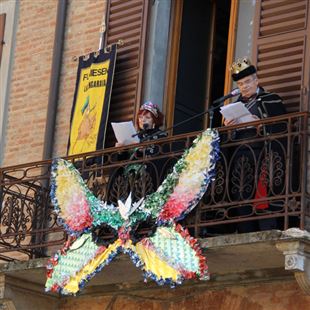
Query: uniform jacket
{"x": 264, "y": 105}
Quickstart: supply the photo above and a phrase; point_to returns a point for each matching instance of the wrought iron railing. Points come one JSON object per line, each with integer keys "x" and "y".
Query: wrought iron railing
{"x": 261, "y": 183}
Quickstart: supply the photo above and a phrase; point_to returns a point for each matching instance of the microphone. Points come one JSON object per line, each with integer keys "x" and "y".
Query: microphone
{"x": 145, "y": 126}
{"x": 233, "y": 93}
{"x": 142, "y": 131}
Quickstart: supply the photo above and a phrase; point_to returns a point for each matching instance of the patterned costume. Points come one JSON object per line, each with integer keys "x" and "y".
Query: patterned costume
{"x": 250, "y": 161}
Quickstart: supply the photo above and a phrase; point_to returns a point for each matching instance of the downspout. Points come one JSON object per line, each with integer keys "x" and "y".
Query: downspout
{"x": 40, "y": 219}
{"x": 55, "y": 78}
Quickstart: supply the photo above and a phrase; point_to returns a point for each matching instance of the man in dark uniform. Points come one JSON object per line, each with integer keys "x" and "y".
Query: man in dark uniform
{"x": 260, "y": 103}
{"x": 249, "y": 162}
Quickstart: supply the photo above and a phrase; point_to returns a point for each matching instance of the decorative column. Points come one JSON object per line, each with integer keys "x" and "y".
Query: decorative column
{"x": 295, "y": 246}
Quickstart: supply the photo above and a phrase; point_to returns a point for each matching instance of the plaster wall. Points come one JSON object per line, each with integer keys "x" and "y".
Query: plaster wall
{"x": 267, "y": 296}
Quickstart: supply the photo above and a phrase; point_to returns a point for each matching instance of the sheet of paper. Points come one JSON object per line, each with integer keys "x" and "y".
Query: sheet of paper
{"x": 124, "y": 131}
{"x": 237, "y": 111}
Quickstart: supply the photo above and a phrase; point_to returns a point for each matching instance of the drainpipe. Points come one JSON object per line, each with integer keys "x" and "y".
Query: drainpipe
{"x": 40, "y": 218}
{"x": 55, "y": 78}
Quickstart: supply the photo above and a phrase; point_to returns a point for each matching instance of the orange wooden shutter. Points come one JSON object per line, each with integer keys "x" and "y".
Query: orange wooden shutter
{"x": 127, "y": 21}
{"x": 2, "y": 26}
{"x": 281, "y": 50}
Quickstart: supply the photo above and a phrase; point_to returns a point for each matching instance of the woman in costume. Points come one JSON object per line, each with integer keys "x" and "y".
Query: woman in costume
{"x": 140, "y": 178}
{"x": 148, "y": 124}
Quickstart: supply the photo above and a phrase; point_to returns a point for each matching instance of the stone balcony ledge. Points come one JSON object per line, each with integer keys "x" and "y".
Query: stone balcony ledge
{"x": 238, "y": 258}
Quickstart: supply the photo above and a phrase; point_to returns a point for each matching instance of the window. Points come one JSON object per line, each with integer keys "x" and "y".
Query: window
{"x": 181, "y": 47}
{"x": 184, "y": 47}
{"x": 156, "y": 52}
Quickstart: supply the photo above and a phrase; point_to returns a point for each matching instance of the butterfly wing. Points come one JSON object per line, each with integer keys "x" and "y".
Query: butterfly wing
{"x": 75, "y": 204}
{"x": 72, "y": 267}
{"x": 184, "y": 187}
{"x": 170, "y": 256}
{"x": 70, "y": 196}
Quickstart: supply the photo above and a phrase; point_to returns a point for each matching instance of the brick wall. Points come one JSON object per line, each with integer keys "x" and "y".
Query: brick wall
{"x": 82, "y": 37}
{"x": 32, "y": 69}
{"x": 30, "y": 81}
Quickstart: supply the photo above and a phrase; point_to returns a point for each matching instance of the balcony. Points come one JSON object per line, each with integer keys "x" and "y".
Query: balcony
{"x": 261, "y": 189}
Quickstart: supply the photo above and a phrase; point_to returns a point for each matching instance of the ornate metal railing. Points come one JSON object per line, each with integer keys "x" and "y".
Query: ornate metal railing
{"x": 261, "y": 183}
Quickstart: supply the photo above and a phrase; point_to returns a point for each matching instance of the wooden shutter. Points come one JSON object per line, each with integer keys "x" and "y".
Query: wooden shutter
{"x": 281, "y": 50}
{"x": 127, "y": 21}
{"x": 2, "y": 26}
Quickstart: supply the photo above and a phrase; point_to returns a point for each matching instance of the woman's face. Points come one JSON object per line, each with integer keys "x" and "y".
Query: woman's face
{"x": 146, "y": 121}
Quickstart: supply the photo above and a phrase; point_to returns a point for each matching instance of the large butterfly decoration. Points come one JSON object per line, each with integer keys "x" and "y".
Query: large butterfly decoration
{"x": 167, "y": 254}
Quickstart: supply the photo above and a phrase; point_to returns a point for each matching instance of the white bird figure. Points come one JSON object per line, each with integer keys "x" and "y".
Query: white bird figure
{"x": 127, "y": 208}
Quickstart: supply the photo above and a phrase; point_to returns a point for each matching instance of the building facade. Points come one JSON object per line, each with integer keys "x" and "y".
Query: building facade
{"x": 175, "y": 53}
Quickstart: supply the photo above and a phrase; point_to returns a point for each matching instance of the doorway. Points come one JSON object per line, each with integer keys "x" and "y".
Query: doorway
{"x": 201, "y": 62}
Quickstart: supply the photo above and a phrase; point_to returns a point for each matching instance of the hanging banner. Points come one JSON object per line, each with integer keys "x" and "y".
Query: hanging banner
{"x": 91, "y": 102}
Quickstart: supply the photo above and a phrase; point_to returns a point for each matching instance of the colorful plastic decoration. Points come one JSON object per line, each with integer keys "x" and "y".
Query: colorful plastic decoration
{"x": 168, "y": 255}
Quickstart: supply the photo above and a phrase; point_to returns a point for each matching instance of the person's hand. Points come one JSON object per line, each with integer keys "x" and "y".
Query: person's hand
{"x": 229, "y": 122}
{"x": 252, "y": 118}
{"x": 255, "y": 118}
{"x": 119, "y": 144}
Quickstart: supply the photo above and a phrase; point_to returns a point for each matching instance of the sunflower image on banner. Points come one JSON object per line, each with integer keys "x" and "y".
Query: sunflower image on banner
{"x": 91, "y": 102}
